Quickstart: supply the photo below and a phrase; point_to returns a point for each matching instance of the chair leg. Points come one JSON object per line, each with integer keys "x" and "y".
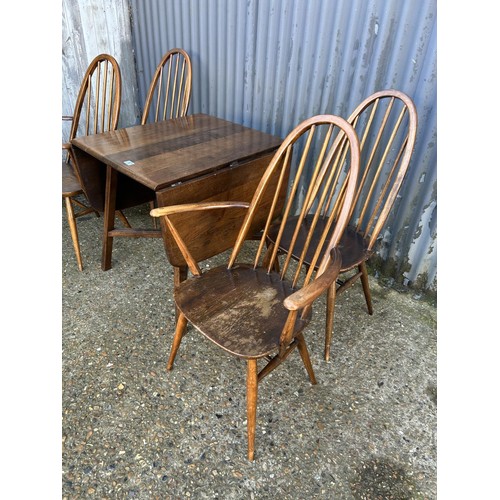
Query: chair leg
{"x": 124, "y": 220}
{"x": 251, "y": 405}
{"x": 74, "y": 231}
{"x": 180, "y": 329}
{"x": 304, "y": 354}
{"x": 86, "y": 207}
{"x": 151, "y": 206}
{"x": 330, "y": 308}
{"x": 180, "y": 275}
{"x": 366, "y": 287}
{"x": 267, "y": 258}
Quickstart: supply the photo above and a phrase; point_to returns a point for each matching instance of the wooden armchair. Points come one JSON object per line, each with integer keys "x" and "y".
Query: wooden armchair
{"x": 251, "y": 310}
{"x": 386, "y": 124}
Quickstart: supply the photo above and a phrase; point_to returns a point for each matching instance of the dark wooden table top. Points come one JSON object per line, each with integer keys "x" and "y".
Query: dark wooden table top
{"x": 167, "y": 152}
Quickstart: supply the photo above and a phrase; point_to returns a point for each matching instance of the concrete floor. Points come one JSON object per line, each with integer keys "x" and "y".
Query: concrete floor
{"x": 367, "y": 430}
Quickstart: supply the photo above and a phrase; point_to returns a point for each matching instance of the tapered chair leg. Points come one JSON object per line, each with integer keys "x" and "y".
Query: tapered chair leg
{"x": 124, "y": 219}
{"x": 180, "y": 329}
{"x": 251, "y": 405}
{"x": 74, "y": 231}
{"x": 304, "y": 354}
{"x": 180, "y": 275}
{"x": 330, "y": 308}
{"x": 366, "y": 287}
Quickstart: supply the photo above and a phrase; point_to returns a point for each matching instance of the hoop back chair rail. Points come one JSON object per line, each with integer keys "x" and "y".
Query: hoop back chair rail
{"x": 250, "y": 309}
{"x": 97, "y": 109}
{"x": 170, "y": 89}
{"x": 386, "y": 124}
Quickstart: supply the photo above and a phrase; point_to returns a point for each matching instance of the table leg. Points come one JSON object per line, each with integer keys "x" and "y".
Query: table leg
{"x": 109, "y": 217}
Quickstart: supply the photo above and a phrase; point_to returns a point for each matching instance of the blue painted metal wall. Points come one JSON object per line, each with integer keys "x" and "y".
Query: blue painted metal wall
{"x": 269, "y": 64}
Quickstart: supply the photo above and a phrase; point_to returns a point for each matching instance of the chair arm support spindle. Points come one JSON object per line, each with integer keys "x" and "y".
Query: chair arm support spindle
{"x": 168, "y": 211}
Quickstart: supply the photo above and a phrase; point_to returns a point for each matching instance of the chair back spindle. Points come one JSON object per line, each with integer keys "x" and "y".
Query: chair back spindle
{"x": 97, "y": 109}
{"x": 386, "y": 124}
{"x": 98, "y": 103}
{"x": 323, "y": 175}
{"x": 170, "y": 89}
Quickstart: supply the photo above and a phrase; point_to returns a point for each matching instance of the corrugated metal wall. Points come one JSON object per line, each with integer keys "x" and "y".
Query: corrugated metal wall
{"x": 268, "y": 64}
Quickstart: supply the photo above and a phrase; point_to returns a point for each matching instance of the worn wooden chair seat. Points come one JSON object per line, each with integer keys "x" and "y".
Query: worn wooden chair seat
{"x": 241, "y": 309}
{"x": 70, "y": 184}
{"x": 249, "y": 309}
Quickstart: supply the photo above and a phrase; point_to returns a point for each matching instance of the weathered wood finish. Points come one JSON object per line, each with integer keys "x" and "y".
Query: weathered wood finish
{"x": 246, "y": 296}
{"x": 97, "y": 109}
{"x": 181, "y": 160}
{"x": 386, "y": 124}
{"x": 170, "y": 89}
{"x": 252, "y": 389}
{"x": 248, "y": 309}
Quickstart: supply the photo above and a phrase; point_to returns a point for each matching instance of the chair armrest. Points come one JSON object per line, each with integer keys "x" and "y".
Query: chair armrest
{"x": 307, "y": 295}
{"x": 66, "y": 145}
{"x": 192, "y": 207}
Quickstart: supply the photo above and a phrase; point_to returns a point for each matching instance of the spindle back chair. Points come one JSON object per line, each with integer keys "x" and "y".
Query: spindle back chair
{"x": 386, "y": 124}
{"x": 170, "y": 89}
{"x": 250, "y": 309}
{"x": 97, "y": 109}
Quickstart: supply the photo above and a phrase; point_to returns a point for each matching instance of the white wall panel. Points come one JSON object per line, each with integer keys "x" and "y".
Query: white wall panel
{"x": 89, "y": 28}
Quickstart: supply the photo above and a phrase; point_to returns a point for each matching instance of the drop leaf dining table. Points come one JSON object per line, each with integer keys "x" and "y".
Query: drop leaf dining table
{"x": 191, "y": 159}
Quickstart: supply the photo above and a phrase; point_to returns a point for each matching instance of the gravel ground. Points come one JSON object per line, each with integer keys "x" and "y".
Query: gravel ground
{"x": 367, "y": 430}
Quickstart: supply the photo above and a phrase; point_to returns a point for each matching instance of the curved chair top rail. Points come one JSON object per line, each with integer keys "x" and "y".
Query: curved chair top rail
{"x": 170, "y": 89}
